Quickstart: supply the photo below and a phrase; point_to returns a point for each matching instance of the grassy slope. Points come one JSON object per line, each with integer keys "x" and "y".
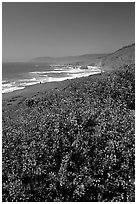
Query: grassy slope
{"x": 73, "y": 144}
{"x": 121, "y": 57}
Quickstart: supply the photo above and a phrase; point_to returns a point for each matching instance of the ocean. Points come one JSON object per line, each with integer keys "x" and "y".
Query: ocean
{"x": 17, "y": 76}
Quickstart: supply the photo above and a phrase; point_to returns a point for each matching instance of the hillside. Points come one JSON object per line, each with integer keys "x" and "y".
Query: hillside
{"x": 121, "y": 57}
{"x": 72, "y": 144}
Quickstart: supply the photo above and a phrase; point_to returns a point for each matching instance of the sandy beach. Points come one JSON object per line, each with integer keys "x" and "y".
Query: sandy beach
{"x": 13, "y": 98}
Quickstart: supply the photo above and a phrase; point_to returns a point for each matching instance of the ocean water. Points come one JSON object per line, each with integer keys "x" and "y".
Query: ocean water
{"x": 17, "y": 76}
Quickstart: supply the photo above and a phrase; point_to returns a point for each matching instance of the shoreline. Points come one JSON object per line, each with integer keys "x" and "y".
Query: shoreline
{"x": 29, "y": 91}
{"x": 37, "y": 89}
{"x": 13, "y": 98}
{"x": 9, "y": 86}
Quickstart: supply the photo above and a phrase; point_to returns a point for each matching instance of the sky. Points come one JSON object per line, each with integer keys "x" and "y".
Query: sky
{"x": 37, "y": 29}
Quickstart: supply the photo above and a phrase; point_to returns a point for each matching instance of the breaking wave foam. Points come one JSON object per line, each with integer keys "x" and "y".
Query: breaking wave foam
{"x": 46, "y": 76}
{"x": 11, "y": 89}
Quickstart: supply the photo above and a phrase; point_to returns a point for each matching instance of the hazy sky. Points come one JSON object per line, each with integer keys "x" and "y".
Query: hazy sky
{"x": 32, "y": 30}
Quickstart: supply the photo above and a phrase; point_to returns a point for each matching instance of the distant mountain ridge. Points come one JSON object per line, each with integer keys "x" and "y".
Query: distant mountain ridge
{"x": 121, "y": 57}
{"x": 87, "y": 58}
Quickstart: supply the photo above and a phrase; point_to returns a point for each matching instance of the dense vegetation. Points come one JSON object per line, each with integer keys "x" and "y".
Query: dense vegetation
{"x": 73, "y": 144}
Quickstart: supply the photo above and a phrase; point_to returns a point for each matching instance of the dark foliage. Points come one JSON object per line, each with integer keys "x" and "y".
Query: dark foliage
{"x": 75, "y": 144}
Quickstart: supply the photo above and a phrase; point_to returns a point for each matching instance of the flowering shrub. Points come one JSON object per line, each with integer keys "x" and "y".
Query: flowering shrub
{"x": 73, "y": 144}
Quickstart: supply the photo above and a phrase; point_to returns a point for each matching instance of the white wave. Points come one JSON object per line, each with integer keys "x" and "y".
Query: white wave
{"x": 84, "y": 74}
{"x": 45, "y": 72}
{"x": 93, "y": 67}
{"x": 42, "y": 72}
{"x": 33, "y": 79}
{"x": 54, "y": 79}
{"x": 29, "y": 83}
{"x": 4, "y": 81}
{"x": 58, "y": 69}
{"x": 55, "y": 72}
{"x": 69, "y": 76}
{"x": 11, "y": 89}
{"x": 66, "y": 70}
{"x": 8, "y": 84}
{"x": 43, "y": 75}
